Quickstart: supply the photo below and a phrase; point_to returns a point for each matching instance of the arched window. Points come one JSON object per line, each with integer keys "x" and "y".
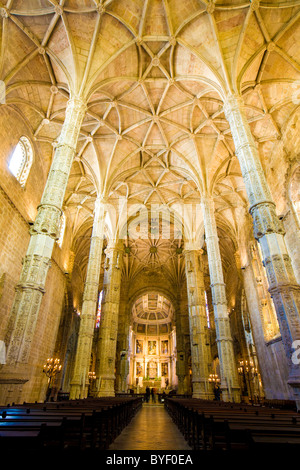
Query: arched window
{"x": 295, "y": 193}
{"x": 61, "y": 230}
{"x": 267, "y": 309}
{"x": 207, "y": 310}
{"x": 21, "y": 160}
{"x": 98, "y": 316}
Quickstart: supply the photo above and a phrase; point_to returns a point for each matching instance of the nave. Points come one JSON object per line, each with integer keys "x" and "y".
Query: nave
{"x": 151, "y": 428}
{"x": 127, "y": 423}
{"x": 149, "y": 198}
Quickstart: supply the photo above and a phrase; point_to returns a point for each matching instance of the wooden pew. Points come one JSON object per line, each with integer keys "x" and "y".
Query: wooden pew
{"x": 216, "y": 425}
{"x": 80, "y": 424}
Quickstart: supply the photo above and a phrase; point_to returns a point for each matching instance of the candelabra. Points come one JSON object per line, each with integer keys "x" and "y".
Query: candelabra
{"x": 92, "y": 376}
{"x": 92, "y": 381}
{"x": 249, "y": 373}
{"x": 51, "y": 369}
{"x": 213, "y": 378}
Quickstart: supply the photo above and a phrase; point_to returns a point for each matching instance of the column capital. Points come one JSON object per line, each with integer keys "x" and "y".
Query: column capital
{"x": 77, "y": 103}
{"x": 192, "y": 247}
{"x": 265, "y": 219}
{"x": 74, "y": 115}
{"x": 254, "y": 6}
{"x": 101, "y": 200}
{"x": 99, "y": 213}
{"x": 232, "y": 103}
{"x": 115, "y": 245}
{"x": 75, "y": 106}
{"x": 208, "y": 201}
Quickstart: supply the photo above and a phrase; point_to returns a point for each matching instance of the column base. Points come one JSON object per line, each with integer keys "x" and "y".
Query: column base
{"x": 294, "y": 383}
{"x": 233, "y": 395}
{"x": 77, "y": 392}
{"x": 294, "y": 377}
{"x": 11, "y": 391}
{"x": 202, "y": 390}
{"x": 74, "y": 392}
{"x": 107, "y": 387}
{"x": 12, "y": 381}
{"x": 105, "y": 393}
{"x": 203, "y": 396}
{"x": 181, "y": 389}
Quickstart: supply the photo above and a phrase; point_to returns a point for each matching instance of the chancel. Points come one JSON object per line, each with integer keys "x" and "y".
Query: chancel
{"x": 149, "y": 221}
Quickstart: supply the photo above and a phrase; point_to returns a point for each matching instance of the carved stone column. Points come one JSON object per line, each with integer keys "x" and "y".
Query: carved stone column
{"x": 80, "y": 381}
{"x": 228, "y": 367}
{"x": 180, "y": 363}
{"x": 198, "y": 323}
{"x": 269, "y": 231}
{"x": 106, "y": 348}
{"x": 31, "y": 287}
{"x": 122, "y": 365}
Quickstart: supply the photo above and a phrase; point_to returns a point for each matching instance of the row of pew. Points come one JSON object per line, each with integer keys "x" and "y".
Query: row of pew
{"x": 75, "y": 424}
{"x": 218, "y": 426}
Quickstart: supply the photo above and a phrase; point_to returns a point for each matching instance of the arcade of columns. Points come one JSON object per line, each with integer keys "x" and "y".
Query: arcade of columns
{"x": 268, "y": 231}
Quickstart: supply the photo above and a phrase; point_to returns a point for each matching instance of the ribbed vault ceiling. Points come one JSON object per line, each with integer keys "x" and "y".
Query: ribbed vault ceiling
{"x": 155, "y": 74}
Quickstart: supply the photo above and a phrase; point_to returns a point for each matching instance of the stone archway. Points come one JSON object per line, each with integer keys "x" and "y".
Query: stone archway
{"x": 152, "y": 343}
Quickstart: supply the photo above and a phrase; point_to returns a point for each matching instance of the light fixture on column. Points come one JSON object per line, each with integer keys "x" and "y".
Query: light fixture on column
{"x": 213, "y": 378}
{"x": 247, "y": 367}
{"x": 248, "y": 372}
{"x": 92, "y": 381}
{"x": 92, "y": 376}
{"x": 51, "y": 369}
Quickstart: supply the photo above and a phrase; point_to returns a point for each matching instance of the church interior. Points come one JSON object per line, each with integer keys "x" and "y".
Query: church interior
{"x": 150, "y": 204}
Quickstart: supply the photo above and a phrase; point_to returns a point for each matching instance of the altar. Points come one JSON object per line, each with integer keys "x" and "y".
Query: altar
{"x": 151, "y": 384}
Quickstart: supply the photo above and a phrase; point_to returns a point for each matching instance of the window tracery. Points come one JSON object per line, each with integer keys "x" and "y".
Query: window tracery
{"x": 295, "y": 193}
{"x": 21, "y": 160}
{"x": 61, "y": 230}
{"x": 268, "y": 312}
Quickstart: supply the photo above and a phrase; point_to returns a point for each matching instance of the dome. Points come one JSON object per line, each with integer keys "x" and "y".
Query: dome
{"x": 152, "y": 308}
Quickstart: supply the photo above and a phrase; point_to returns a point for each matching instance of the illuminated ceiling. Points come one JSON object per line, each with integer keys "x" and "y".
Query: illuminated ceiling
{"x": 155, "y": 74}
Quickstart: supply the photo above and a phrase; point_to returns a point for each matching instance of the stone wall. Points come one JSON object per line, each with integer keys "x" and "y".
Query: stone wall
{"x": 18, "y": 207}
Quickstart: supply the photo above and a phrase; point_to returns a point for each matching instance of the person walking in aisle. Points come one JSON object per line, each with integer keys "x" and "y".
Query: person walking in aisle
{"x": 153, "y": 394}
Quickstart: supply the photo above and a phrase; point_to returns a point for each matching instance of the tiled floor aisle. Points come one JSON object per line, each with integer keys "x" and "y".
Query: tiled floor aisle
{"x": 151, "y": 429}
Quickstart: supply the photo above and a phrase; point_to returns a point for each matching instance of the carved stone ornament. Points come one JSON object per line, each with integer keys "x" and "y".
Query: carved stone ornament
{"x": 4, "y": 12}
{"x": 265, "y": 220}
{"x": 210, "y": 7}
{"x": 254, "y": 6}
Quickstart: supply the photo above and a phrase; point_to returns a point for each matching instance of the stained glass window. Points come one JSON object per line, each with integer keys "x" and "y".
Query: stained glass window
{"x": 98, "y": 317}
{"x": 207, "y": 310}
{"x": 61, "y": 230}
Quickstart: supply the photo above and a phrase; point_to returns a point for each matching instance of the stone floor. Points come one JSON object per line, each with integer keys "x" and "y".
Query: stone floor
{"x": 151, "y": 429}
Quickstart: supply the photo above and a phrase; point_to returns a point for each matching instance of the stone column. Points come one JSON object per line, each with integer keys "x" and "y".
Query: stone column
{"x": 107, "y": 343}
{"x": 269, "y": 231}
{"x": 80, "y": 381}
{"x": 123, "y": 340}
{"x": 44, "y": 232}
{"x": 228, "y": 367}
{"x": 180, "y": 363}
{"x": 198, "y": 324}
{"x": 185, "y": 330}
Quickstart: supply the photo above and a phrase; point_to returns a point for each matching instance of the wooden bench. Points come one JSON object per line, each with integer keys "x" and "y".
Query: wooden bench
{"x": 209, "y": 425}
{"x": 80, "y": 424}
